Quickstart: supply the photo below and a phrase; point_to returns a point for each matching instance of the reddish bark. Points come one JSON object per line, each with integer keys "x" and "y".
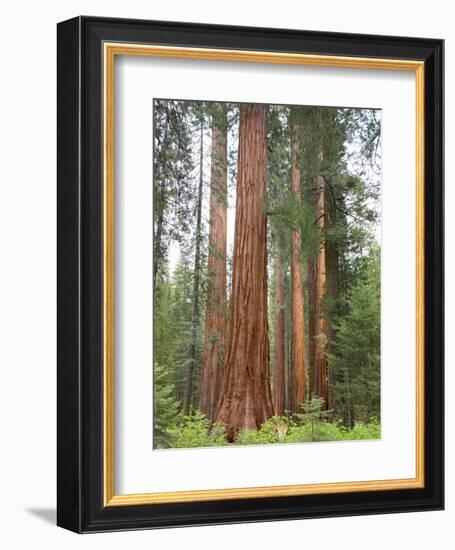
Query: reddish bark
{"x": 246, "y": 396}
{"x": 215, "y": 317}
{"x": 298, "y": 322}
{"x": 320, "y": 386}
{"x": 279, "y": 383}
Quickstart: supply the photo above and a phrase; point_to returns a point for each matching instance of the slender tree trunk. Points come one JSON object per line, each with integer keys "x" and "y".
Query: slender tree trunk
{"x": 159, "y": 205}
{"x": 348, "y": 421}
{"x": 320, "y": 373}
{"x": 157, "y": 247}
{"x": 332, "y": 277}
{"x": 215, "y": 317}
{"x": 289, "y": 367}
{"x": 298, "y": 321}
{"x": 288, "y": 340}
{"x": 246, "y": 400}
{"x": 279, "y": 382}
{"x": 195, "y": 299}
{"x": 311, "y": 284}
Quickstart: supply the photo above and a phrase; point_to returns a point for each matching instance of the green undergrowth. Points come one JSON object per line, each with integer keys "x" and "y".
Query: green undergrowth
{"x": 198, "y": 431}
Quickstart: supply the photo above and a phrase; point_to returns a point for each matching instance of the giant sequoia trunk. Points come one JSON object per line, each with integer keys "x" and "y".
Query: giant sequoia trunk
{"x": 298, "y": 323}
{"x": 320, "y": 380}
{"x": 279, "y": 378}
{"x": 195, "y": 299}
{"x": 215, "y": 317}
{"x": 246, "y": 396}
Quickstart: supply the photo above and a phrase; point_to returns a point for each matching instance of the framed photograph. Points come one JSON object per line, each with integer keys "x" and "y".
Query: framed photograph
{"x": 250, "y": 274}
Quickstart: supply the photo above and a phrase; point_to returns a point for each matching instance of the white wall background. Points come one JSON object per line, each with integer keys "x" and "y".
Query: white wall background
{"x": 27, "y": 288}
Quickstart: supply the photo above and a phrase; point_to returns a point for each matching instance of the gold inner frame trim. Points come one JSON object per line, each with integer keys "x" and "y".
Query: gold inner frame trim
{"x": 110, "y": 50}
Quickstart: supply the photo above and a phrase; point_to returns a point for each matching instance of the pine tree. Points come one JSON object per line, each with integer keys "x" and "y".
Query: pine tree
{"x": 165, "y": 408}
{"x": 195, "y": 315}
{"x": 356, "y": 361}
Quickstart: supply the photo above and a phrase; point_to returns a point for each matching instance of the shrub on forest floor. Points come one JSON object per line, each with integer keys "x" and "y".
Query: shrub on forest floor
{"x": 372, "y": 430}
{"x": 196, "y": 431}
{"x": 273, "y": 430}
{"x": 319, "y": 431}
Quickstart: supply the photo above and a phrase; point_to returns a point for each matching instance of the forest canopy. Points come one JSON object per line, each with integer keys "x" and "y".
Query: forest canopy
{"x": 266, "y": 273}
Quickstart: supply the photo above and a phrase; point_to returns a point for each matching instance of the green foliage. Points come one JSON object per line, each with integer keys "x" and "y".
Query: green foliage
{"x": 287, "y": 430}
{"x": 370, "y": 430}
{"x": 172, "y": 327}
{"x": 329, "y": 431}
{"x": 316, "y": 431}
{"x": 196, "y": 431}
{"x": 272, "y": 431}
{"x": 313, "y": 415}
{"x": 355, "y": 364}
{"x": 288, "y": 215}
{"x": 310, "y": 426}
{"x": 165, "y": 408}
{"x": 313, "y": 410}
{"x": 173, "y": 187}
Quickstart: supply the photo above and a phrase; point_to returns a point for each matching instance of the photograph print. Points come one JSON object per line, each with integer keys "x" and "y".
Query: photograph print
{"x": 266, "y": 276}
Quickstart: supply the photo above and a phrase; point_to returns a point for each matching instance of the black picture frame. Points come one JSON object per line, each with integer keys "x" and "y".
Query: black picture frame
{"x": 80, "y": 476}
